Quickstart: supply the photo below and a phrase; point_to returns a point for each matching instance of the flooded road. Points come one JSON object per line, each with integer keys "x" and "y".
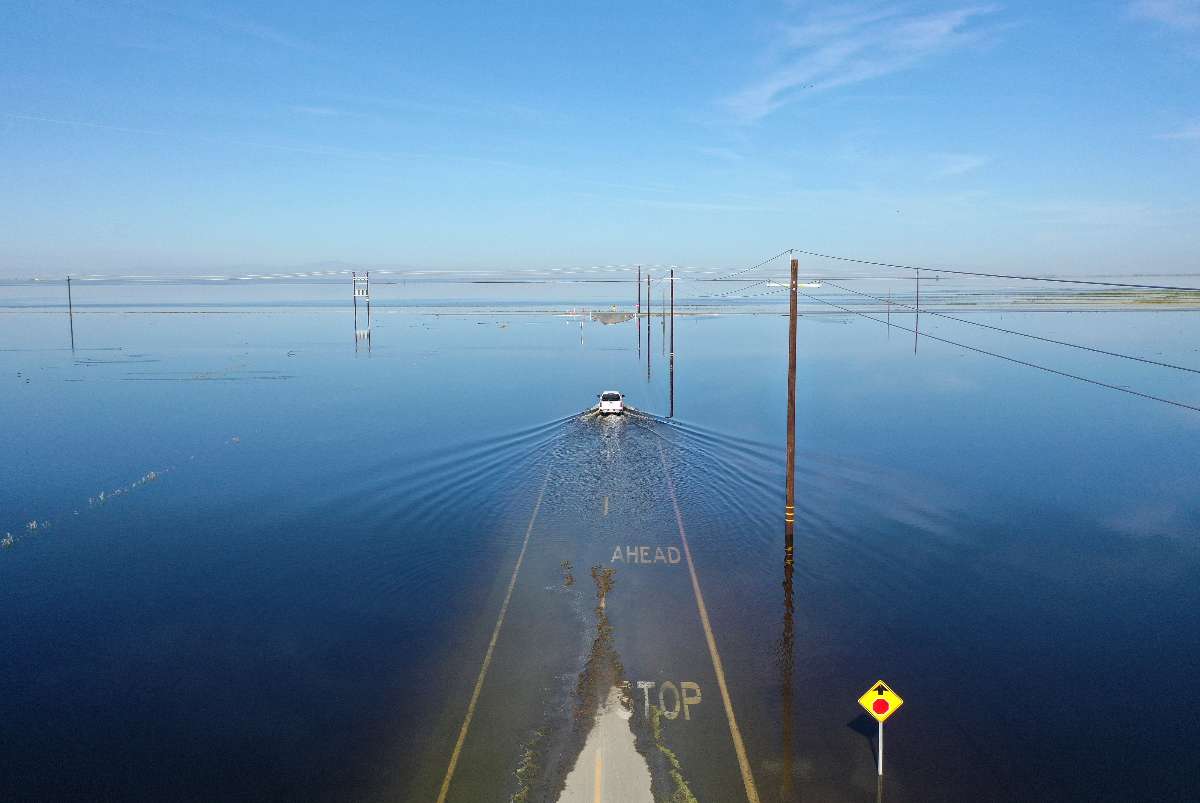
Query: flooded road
{"x": 413, "y": 568}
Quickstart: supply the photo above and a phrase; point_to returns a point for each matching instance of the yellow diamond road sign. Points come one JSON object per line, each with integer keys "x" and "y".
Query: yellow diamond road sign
{"x": 880, "y": 701}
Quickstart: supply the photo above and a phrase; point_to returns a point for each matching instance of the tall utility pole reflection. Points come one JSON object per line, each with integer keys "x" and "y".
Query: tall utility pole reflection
{"x": 787, "y": 642}
{"x": 787, "y": 666}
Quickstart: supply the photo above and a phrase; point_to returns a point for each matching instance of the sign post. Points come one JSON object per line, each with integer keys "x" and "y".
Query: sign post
{"x": 880, "y": 702}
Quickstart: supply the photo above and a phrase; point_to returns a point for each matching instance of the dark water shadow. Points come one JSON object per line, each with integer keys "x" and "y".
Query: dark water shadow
{"x": 868, "y": 729}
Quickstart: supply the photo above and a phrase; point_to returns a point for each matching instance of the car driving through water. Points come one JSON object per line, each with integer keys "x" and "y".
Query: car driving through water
{"x": 611, "y": 401}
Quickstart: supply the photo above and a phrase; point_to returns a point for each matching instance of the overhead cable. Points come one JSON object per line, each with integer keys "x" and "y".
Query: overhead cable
{"x": 1005, "y": 357}
{"x": 1021, "y": 334}
{"x": 997, "y": 275}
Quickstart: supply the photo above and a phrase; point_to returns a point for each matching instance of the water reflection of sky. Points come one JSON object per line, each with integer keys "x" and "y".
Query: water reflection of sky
{"x": 292, "y": 606}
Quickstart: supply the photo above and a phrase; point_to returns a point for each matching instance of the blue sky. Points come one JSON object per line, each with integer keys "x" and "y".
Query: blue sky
{"x": 165, "y": 137}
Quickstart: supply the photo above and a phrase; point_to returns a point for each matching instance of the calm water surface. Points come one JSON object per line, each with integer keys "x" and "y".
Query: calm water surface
{"x": 304, "y": 542}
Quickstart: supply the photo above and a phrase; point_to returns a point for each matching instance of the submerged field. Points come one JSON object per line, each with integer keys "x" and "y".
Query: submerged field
{"x": 254, "y": 549}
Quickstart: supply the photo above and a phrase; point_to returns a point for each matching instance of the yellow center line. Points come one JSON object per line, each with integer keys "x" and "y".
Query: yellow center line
{"x": 487, "y": 658}
{"x": 734, "y": 731}
{"x": 599, "y": 769}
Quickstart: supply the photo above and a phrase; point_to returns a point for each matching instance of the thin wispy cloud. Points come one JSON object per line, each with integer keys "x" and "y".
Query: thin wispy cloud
{"x": 1182, "y": 14}
{"x": 951, "y": 165}
{"x": 235, "y": 24}
{"x": 852, "y": 44}
{"x": 1190, "y": 132}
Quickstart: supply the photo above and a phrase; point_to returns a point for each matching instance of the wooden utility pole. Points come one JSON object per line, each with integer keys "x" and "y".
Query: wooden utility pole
{"x": 672, "y": 349}
{"x": 672, "y": 382}
{"x": 917, "y": 320}
{"x": 649, "y": 326}
{"x": 787, "y": 646}
{"x": 70, "y": 313}
{"x": 789, "y": 513}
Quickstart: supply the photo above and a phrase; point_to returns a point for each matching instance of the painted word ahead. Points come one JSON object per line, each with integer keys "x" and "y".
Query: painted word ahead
{"x": 668, "y": 556}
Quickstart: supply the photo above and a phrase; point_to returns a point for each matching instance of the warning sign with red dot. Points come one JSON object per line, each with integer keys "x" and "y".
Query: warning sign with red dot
{"x": 880, "y": 701}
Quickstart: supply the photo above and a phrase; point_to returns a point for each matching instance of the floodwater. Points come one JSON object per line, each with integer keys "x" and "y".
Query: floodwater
{"x": 277, "y": 558}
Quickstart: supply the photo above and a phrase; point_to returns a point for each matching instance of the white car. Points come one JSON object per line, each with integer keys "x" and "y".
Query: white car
{"x": 611, "y": 401}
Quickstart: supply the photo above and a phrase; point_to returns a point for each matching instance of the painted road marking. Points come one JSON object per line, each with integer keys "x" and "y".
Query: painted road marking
{"x": 734, "y": 732}
{"x": 487, "y": 658}
{"x": 642, "y": 554}
{"x": 687, "y": 694}
{"x": 597, "y": 792}
{"x": 606, "y": 506}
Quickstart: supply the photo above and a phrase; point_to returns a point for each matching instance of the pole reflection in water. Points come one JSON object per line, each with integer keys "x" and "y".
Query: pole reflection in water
{"x": 362, "y": 336}
{"x": 787, "y": 666}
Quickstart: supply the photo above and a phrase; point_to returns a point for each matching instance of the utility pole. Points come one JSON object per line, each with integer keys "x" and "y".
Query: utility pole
{"x": 70, "y": 314}
{"x": 638, "y": 309}
{"x": 787, "y": 647}
{"x": 789, "y": 512}
{"x": 649, "y": 326}
{"x": 917, "y": 321}
{"x": 672, "y": 349}
{"x": 672, "y": 382}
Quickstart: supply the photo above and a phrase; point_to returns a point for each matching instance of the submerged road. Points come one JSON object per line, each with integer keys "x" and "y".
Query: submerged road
{"x": 615, "y": 704}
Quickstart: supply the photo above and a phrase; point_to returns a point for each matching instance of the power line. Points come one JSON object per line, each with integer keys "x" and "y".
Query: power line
{"x": 755, "y": 267}
{"x": 736, "y": 290}
{"x": 1025, "y": 363}
{"x": 996, "y": 275}
{"x": 1022, "y": 334}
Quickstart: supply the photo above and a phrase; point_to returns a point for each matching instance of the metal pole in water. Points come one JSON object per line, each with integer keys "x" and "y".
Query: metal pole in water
{"x": 649, "y": 325}
{"x": 70, "y": 313}
{"x": 789, "y": 511}
{"x": 638, "y": 309}
{"x": 881, "y": 749}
